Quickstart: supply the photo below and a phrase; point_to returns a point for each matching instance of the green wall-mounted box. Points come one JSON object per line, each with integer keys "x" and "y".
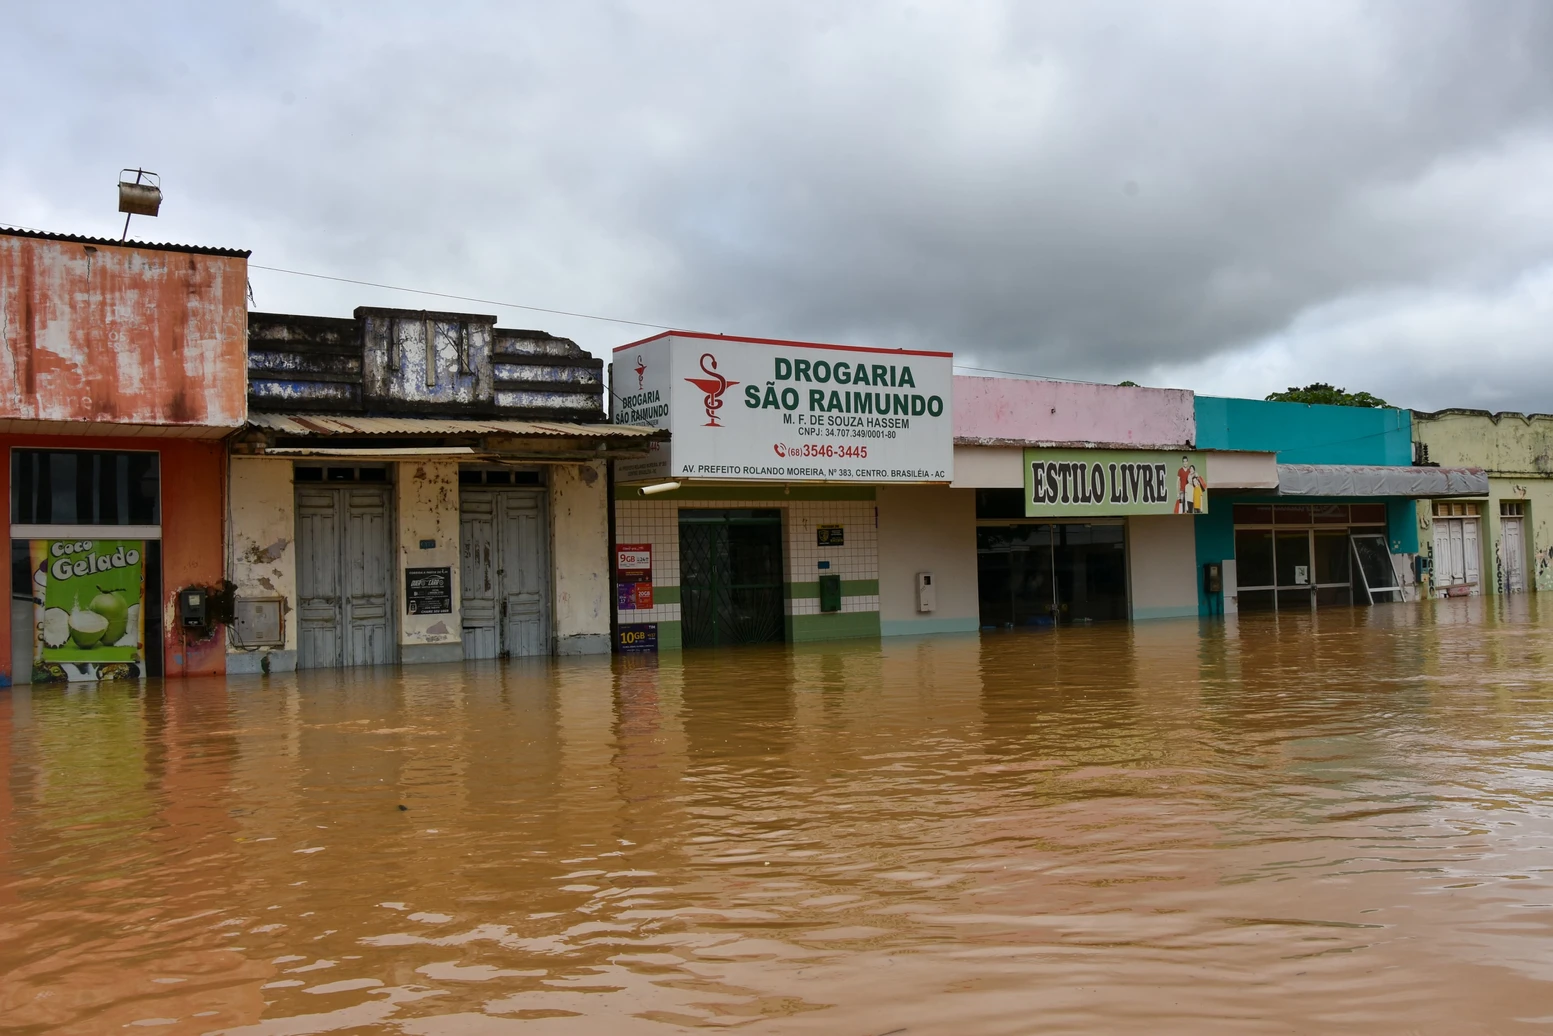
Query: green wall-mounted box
{"x": 830, "y": 593}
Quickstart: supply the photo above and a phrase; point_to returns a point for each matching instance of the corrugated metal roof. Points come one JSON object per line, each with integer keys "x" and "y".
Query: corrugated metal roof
{"x": 160, "y": 246}
{"x": 336, "y": 424}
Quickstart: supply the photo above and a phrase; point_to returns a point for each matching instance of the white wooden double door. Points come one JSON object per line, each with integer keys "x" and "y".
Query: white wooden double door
{"x": 505, "y": 572}
{"x": 1456, "y": 556}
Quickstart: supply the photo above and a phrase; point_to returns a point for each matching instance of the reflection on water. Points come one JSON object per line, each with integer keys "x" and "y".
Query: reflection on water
{"x": 1337, "y": 823}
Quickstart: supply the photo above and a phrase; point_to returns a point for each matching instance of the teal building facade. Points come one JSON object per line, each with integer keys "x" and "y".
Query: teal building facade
{"x": 1281, "y": 549}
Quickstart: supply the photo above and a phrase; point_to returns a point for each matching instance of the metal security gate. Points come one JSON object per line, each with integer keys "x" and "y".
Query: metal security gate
{"x": 345, "y": 576}
{"x": 730, "y": 571}
{"x": 505, "y": 571}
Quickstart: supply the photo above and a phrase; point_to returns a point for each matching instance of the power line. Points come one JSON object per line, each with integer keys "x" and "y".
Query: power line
{"x": 464, "y": 298}
{"x": 565, "y": 312}
{"x": 1026, "y": 374}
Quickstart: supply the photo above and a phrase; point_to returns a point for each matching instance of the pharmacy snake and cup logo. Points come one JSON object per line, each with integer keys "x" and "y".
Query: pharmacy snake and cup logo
{"x": 714, "y": 385}
{"x": 641, "y": 372}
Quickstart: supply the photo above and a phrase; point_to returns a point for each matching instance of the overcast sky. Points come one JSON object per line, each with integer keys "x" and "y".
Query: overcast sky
{"x": 1230, "y": 197}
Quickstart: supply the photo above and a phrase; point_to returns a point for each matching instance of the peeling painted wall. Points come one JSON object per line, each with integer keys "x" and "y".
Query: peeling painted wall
{"x": 584, "y": 585}
{"x": 121, "y": 334}
{"x": 262, "y": 556}
{"x": 1517, "y": 452}
{"x": 413, "y": 361}
{"x": 426, "y": 507}
{"x": 395, "y": 357}
{"x": 1010, "y": 410}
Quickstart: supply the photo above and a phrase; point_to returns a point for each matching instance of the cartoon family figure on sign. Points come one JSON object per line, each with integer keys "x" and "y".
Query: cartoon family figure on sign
{"x": 1192, "y": 488}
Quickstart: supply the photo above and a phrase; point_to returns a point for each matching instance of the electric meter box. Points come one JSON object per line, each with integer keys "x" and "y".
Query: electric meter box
{"x": 1212, "y": 577}
{"x": 927, "y": 593}
{"x": 193, "y": 607}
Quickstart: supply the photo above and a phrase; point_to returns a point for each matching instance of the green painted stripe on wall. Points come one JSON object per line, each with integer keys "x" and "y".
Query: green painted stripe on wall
{"x": 920, "y": 627}
{"x": 849, "y": 588}
{"x": 669, "y": 637}
{"x": 803, "y": 629}
{"x": 664, "y": 594}
{"x": 751, "y": 492}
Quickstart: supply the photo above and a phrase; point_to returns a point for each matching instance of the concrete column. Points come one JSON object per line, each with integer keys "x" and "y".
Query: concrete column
{"x": 263, "y": 558}
{"x": 426, "y": 510}
{"x": 580, "y": 554}
{"x": 1162, "y": 565}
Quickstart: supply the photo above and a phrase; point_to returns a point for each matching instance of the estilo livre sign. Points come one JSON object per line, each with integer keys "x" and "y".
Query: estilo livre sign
{"x": 1069, "y": 483}
{"x": 749, "y": 409}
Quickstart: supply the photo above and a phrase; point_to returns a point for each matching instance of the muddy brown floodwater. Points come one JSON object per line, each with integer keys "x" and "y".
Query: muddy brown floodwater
{"x": 1338, "y": 824}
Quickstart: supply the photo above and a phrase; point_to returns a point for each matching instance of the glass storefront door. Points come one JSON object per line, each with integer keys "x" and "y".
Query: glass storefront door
{"x": 1292, "y": 557}
{"x": 1041, "y": 574}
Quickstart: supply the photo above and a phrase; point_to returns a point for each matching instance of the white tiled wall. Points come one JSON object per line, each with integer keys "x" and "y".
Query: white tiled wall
{"x": 657, "y": 522}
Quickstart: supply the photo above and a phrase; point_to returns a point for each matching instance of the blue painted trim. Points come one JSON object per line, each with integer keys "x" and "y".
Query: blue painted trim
{"x": 917, "y": 627}
{"x": 1169, "y": 611}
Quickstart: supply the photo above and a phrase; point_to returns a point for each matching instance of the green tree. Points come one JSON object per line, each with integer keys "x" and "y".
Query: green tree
{"x": 1321, "y": 392}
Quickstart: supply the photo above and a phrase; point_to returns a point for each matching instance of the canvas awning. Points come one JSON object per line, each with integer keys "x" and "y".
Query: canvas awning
{"x": 1379, "y": 480}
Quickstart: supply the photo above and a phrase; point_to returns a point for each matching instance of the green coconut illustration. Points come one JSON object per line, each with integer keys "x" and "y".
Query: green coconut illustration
{"x": 87, "y": 628}
{"x": 112, "y": 607}
{"x": 56, "y": 627}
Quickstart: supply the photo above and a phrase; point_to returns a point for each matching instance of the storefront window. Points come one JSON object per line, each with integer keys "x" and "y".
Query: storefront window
{"x": 84, "y": 487}
{"x": 1039, "y": 574}
{"x": 1289, "y": 556}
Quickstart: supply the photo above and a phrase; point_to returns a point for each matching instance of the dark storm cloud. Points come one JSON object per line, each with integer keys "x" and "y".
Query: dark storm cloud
{"x": 1230, "y": 196}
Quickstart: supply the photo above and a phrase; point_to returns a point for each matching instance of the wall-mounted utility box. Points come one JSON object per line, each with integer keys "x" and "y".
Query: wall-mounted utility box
{"x": 259, "y": 622}
{"x": 193, "y": 608}
{"x": 1212, "y": 577}
{"x": 830, "y": 593}
{"x": 927, "y": 593}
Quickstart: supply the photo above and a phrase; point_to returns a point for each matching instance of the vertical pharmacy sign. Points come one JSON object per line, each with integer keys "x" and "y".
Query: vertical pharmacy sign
{"x": 87, "y": 596}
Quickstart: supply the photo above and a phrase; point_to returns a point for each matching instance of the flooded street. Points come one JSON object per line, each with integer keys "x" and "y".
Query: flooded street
{"x": 1335, "y": 824}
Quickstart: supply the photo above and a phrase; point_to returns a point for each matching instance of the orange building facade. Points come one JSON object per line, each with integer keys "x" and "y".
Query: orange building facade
{"x": 123, "y": 371}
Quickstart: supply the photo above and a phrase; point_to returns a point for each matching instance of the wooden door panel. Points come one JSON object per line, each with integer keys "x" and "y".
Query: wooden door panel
{"x": 318, "y": 584}
{"x": 524, "y": 574}
{"x": 477, "y": 573}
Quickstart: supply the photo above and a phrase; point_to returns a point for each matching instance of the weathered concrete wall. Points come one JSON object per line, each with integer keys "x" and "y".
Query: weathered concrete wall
{"x": 426, "y": 508}
{"x": 584, "y": 582}
{"x": 1162, "y": 565}
{"x": 994, "y": 411}
{"x": 263, "y": 555}
{"x": 927, "y": 529}
{"x": 121, "y": 334}
{"x": 1517, "y": 452}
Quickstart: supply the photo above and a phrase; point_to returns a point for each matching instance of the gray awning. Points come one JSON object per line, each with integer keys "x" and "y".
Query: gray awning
{"x": 1379, "y": 480}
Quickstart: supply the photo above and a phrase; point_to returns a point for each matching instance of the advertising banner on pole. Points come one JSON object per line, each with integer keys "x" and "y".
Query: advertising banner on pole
{"x": 88, "y": 597}
{"x": 759, "y": 410}
{"x": 1071, "y": 483}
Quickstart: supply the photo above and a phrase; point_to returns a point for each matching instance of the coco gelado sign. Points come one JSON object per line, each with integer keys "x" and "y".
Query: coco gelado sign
{"x": 744, "y": 409}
